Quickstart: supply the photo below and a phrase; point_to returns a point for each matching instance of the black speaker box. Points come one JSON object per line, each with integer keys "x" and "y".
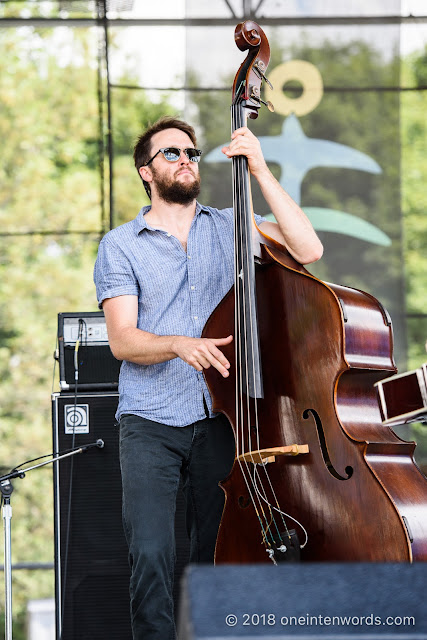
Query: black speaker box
{"x": 91, "y": 563}
{"x": 342, "y": 601}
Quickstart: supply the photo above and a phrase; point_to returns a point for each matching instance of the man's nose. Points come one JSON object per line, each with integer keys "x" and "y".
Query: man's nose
{"x": 183, "y": 158}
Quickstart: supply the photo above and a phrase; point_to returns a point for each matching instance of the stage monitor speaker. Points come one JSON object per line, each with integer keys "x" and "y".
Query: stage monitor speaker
{"x": 363, "y": 601}
{"x": 97, "y": 368}
{"x": 91, "y": 563}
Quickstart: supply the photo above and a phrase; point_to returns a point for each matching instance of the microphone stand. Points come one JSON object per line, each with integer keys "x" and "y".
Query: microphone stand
{"x": 6, "y": 490}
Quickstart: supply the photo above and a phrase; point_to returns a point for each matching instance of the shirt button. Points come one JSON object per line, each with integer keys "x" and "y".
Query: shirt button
{"x": 189, "y": 257}
{"x": 196, "y": 317}
{"x": 168, "y": 235}
{"x": 192, "y": 287}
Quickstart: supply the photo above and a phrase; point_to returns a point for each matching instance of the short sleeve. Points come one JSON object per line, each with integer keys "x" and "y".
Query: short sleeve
{"x": 113, "y": 274}
{"x": 259, "y": 219}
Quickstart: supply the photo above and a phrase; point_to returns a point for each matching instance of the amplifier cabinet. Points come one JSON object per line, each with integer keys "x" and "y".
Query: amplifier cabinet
{"x": 97, "y": 368}
{"x": 91, "y": 557}
{"x": 91, "y": 566}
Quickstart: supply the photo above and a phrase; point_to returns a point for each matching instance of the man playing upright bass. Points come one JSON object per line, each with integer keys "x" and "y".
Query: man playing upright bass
{"x": 158, "y": 279}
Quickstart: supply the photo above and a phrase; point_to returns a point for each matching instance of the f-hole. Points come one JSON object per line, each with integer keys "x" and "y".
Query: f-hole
{"x": 244, "y": 502}
{"x": 324, "y": 447}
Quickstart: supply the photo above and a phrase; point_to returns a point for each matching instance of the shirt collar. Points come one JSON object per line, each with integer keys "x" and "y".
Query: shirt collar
{"x": 140, "y": 222}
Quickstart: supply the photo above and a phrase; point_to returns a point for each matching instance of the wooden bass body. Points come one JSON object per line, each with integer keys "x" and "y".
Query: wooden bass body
{"x": 356, "y": 491}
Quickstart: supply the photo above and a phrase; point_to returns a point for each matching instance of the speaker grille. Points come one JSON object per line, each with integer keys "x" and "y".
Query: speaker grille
{"x": 92, "y": 581}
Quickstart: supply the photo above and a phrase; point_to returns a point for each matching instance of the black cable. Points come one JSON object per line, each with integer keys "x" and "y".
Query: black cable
{"x": 33, "y": 460}
{"x": 82, "y": 324}
{"x": 47, "y": 455}
{"x": 55, "y": 358}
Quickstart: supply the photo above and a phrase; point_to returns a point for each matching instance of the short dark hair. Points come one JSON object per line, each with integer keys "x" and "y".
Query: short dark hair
{"x": 142, "y": 149}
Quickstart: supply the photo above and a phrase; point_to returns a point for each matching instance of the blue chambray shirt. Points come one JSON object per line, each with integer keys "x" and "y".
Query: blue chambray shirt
{"x": 177, "y": 292}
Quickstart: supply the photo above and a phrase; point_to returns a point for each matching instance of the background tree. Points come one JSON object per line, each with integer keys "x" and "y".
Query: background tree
{"x": 50, "y": 193}
{"x": 414, "y": 209}
{"x": 50, "y": 206}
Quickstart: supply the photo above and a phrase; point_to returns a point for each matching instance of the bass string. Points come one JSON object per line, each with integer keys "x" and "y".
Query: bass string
{"x": 243, "y": 324}
{"x": 251, "y": 362}
{"x": 262, "y": 494}
{"x": 237, "y": 197}
{"x": 240, "y": 167}
{"x": 239, "y": 120}
{"x": 240, "y": 328}
{"x": 240, "y": 323}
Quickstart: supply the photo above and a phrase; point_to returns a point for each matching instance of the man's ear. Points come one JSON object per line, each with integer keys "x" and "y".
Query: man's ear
{"x": 145, "y": 173}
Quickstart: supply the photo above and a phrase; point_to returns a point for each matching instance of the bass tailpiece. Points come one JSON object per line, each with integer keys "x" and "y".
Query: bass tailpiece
{"x": 285, "y": 547}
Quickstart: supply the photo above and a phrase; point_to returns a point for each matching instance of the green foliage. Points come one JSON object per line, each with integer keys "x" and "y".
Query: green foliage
{"x": 42, "y": 165}
{"x": 49, "y": 182}
{"x": 414, "y": 209}
{"x": 419, "y": 68}
{"x": 414, "y": 203}
{"x": 132, "y": 113}
{"x": 19, "y": 626}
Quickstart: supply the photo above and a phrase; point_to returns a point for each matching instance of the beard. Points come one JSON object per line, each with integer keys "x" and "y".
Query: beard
{"x": 175, "y": 192}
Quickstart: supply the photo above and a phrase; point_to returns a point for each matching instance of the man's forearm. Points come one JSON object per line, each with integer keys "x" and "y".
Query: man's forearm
{"x": 142, "y": 347}
{"x": 294, "y": 228}
{"x": 298, "y": 234}
{"x": 129, "y": 343}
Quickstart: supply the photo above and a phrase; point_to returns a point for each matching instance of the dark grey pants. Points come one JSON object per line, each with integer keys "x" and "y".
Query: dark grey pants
{"x": 152, "y": 458}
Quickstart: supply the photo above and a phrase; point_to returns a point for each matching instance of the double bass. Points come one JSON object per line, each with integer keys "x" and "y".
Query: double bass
{"x": 317, "y": 476}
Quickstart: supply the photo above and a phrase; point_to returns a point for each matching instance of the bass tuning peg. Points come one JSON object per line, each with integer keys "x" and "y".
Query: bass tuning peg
{"x": 259, "y": 68}
{"x": 255, "y": 96}
{"x": 268, "y": 104}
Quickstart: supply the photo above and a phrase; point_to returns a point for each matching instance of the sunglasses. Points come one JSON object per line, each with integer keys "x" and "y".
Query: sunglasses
{"x": 173, "y": 154}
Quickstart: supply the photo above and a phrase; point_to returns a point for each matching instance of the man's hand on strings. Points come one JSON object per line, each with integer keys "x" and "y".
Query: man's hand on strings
{"x": 245, "y": 143}
{"x": 202, "y": 353}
